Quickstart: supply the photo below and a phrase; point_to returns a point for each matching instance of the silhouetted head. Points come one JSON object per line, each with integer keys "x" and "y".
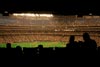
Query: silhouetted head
{"x": 8, "y": 45}
{"x": 40, "y": 46}
{"x": 18, "y": 47}
{"x": 86, "y": 36}
{"x": 72, "y": 38}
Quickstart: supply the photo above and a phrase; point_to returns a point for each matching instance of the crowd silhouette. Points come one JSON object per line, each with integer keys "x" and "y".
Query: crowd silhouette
{"x": 87, "y": 43}
{"x": 82, "y": 52}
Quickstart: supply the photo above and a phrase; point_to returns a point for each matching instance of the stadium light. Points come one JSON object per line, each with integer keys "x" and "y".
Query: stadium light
{"x": 32, "y": 15}
{"x": 46, "y": 15}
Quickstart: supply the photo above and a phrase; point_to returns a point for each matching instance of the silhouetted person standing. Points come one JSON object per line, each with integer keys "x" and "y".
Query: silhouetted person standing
{"x": 88, "y": 42}
{"x": 72, "y": 43}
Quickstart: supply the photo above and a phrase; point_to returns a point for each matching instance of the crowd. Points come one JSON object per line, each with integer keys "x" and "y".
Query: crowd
{"x": 75, "y": 53}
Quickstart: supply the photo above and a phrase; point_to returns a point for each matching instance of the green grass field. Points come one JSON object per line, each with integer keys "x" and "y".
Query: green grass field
{"x": 35, "y": 44}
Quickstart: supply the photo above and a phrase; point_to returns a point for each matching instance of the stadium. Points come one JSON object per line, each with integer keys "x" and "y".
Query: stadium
{"x": 49, "y": 33}
{"x": 30, "y": 39}
{"x": 47, "y": 29}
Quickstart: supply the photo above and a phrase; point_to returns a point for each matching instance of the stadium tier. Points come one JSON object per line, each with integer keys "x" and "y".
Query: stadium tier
{"x": 54, "y": 29}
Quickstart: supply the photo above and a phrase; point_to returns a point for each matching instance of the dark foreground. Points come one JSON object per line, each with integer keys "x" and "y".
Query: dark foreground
{"x": 49, "y": 56}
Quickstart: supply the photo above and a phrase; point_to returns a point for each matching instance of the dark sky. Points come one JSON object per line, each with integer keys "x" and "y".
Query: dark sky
{"x": 58, "y": 6}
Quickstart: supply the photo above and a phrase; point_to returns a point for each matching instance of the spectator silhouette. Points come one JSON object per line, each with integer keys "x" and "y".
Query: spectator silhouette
{"x": 8, "y": 45}
{"x": 40, "y": 49}
{"x": 88, "y": 42}
{"x": 40, "y": 46}
{"x": 19, "y": 51}
{"x": 72, "y": 43}
{"x": 18, "y": 55}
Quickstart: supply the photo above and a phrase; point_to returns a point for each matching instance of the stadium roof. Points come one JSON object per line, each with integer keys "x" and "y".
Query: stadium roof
{"x": 55, "y": 6}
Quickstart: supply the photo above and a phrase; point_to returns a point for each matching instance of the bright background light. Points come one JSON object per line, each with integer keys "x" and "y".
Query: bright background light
{"x": 33, "y": 15}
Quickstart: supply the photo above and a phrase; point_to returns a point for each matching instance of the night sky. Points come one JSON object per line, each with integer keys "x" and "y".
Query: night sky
{"x": 57, "y": 6}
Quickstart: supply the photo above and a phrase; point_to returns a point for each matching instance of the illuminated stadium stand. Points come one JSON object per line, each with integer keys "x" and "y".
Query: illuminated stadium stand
{"x": 26, "y": 28}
